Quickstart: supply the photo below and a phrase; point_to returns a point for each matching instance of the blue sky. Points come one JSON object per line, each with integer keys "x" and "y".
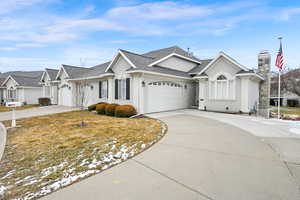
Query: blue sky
{"x": 35, "y": 34}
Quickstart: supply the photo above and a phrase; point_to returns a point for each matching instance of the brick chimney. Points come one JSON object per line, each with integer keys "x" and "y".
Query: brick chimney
{"x": 264, "y": 70}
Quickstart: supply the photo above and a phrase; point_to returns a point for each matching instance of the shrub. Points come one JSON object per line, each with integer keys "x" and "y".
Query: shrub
{"x": 292, "y": 102}
{"x": 125, "y": 111}
{"x": 44, "y": 101}
{"x": 100, "y": 108}
{"x": 93, "y": 106}
{"x": 110, "y": 109}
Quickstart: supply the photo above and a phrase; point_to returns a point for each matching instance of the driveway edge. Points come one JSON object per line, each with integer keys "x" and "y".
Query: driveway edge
{"x": 2, "y": 139}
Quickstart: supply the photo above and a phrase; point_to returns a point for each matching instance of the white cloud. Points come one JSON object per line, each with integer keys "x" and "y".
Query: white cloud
{"x": 286, "y": 14}
{"x": 7, "y": 48}
{"x": 159, "y": 11}
{"x": 30, "y": 45}
{"x": 7, "y": 6}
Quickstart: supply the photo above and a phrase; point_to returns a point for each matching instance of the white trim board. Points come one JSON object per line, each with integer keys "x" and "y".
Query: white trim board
{"x": 222, "y": 54}
{"x": 173, "y": 54}
{"x": 116, "y": 57}
{"x": 157, "y": 73}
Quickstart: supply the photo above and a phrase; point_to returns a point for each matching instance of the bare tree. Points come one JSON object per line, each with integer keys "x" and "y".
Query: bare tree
{"x": 290, "y": 81}
{"x": 82, "y": 97}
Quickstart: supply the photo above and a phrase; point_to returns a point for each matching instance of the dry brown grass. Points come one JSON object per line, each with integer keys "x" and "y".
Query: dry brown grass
{"x": 287, "y": 110}
{"x": 28, "y": 106}
{"x": 51, "y": 140}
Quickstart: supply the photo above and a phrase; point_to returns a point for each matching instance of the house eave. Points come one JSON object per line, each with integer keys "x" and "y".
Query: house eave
{"x": 250, "y": 74}
{"x": 157, "y": 73}
{"x": 173, "y": 54}
{"x": 92, "y": 77}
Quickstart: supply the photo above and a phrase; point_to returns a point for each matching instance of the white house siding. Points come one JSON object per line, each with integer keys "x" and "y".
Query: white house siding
{"x": 253, "y": 94}
{"x": 53, "y": 89}
{"x": 31, "y": 95}
{"x": 65, "y": 92}
{"x": 221, "y": 66}
{"x": 177, "y": 64}
{"x": 164, "y": 97}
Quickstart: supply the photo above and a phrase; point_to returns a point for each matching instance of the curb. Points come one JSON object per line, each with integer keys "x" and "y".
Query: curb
{"x": 2, "y": 139}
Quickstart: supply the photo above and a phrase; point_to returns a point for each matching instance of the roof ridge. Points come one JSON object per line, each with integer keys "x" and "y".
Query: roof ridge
{"x": 175, "y": 46}
{"x": 51, "y": 69}
{"x": 136, "y": 54}
{"x": 75, "y": 66}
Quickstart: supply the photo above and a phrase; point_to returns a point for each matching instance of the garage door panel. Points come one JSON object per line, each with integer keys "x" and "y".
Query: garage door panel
{"x": 165, "y": 96}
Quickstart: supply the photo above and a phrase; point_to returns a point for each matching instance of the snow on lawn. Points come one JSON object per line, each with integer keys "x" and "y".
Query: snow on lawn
{"x": 56, "y": 170}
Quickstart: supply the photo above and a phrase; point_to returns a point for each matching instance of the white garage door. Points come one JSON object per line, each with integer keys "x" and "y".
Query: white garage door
{"x": 65, "y": 97}
{"x": 163, "y": 96}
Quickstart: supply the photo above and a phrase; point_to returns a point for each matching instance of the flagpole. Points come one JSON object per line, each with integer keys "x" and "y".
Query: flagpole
{"x": 279, "y": 73}
{"x": 279, "y": 82}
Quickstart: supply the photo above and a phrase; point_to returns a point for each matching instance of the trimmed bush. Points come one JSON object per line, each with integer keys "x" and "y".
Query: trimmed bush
{"x": 100, "y": 108}
{"x": 110, "y": 109}
{"x": 93, "y": 106}
{"x": 44, "y": 101}
{"x": 125, "y": 111}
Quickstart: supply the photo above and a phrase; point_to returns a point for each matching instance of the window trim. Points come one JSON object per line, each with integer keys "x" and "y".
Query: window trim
{"x": 214, "y": 91}
{"x": 123, "y": 89}
{"x": 103, "y": 94}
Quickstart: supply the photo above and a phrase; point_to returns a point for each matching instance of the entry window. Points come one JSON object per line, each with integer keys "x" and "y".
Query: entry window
{"x": 122, "y": 89}
{"x": 47, "y": 91}
{"x": 11, "y": 94}
{"x": 222, "y": 88}
{"x": 103, "y": 89}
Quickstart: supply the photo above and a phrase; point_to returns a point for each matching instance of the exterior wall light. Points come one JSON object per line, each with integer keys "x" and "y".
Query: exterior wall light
{"x": 92, "y": 87}
{"x": 143, "y": 84}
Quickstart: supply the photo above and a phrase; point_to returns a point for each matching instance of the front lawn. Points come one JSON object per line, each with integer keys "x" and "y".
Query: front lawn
{"x": 28, "y": 106}
{"x": 50, "y": 152}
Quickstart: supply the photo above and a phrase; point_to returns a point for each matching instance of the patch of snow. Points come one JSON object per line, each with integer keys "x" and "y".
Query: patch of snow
{"x": 94, "y": 163}
{"x": 8, "y": 174}
{"x": 84, "y": 162}
{"x": 2, "y": 190}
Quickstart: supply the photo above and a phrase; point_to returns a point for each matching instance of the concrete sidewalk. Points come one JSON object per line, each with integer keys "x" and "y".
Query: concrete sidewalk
{"x": 47, "y": 110}
{"x": 2, "y": 139}
{"x": 199, "y": 158}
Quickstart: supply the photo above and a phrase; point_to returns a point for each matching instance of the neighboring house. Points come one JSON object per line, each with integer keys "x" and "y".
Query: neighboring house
{"x": 288, "y": 90}
{"x": 165, "y": 79}
{"x": 50, "y": 85}
{"x": 21, "y": 87}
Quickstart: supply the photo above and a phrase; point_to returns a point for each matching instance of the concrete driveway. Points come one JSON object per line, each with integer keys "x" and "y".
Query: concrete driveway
{"x": 47, "y": 110}
{"x": 199, "y": 158}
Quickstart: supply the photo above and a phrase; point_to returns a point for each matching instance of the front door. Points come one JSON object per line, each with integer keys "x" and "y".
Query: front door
{"x": 201, "y": 95}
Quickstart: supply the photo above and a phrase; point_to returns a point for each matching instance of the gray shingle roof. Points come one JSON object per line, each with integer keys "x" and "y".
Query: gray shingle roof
{"x": 200, "y": 67}
{"x": 160, "y": 53}
{"x": 75, "y": 72}
{"x": 24, "y": 78}
{"x": 246, "y": 72}
{"x": 141, "y": 61}
{"x": 52, "y": 73}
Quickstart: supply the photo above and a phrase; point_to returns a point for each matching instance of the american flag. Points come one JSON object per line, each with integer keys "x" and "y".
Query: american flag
{"x": 279, "y": 58}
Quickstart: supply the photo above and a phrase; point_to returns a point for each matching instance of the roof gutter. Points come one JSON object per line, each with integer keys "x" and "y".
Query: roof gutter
{"x": 91, "y": 77}
{"x": 250, "y": 74}
{"x": 157, "y": 73}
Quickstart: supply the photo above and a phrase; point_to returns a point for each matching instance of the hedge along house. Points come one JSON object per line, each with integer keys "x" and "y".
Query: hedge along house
{"x": 22, "y": 87}
{"x": 162, "y": 80}
{"x": 50, "y": 85}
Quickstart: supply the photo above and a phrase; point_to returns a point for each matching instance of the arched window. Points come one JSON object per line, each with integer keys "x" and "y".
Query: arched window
{"x": 221, "y": 78}
{"x": 222, "y": 88}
